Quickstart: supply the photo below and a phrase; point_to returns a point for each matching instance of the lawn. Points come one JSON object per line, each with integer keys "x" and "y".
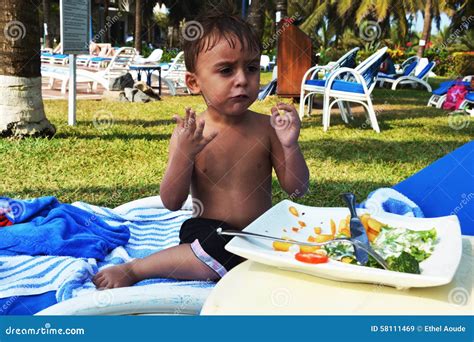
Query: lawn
{"x": 118, "y": 152}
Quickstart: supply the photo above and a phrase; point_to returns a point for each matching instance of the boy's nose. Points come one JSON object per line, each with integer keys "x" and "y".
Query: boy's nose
{"x": 241, "y": 78}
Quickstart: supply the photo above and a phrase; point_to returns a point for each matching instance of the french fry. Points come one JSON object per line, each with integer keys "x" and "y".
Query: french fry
{"x": 282, "y": 246}
{"x": 364, "y": 219}
{"x": 293, "y": 211}
{"x": 371, "y": 236}
{"x": 333, "y": 227}
{"x": 302, "y": 224}
{"x": 371, "y": 231}
{"x": 309, "y": 249}
{"x": 374, "y": 224}
{"x": 342, "y": 225}
{"x": 317, "y": 230}
{"x": 346, "y": 232}
{"x": 323, "y": 238}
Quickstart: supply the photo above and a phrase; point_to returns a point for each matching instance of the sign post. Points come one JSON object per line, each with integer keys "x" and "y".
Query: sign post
{"x": 75, "y": 33}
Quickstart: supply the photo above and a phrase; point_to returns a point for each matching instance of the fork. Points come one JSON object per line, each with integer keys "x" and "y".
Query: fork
{"x": 355, "y": 243}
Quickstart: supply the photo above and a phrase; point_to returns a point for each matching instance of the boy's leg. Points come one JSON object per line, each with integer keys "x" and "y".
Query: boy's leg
{"x": 178, "y": 262}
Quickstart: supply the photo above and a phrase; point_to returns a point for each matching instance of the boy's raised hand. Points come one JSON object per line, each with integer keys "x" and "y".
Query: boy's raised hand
{"x": 189, "y": 133}
{"x": 287, "y": 127}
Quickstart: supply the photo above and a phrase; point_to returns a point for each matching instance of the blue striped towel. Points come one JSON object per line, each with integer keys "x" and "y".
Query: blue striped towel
{"x": 151, "y": 230}
{"x": 391, "y": 201}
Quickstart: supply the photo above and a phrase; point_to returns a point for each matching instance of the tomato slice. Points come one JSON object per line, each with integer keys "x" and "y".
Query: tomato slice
{"x": 311, "y": 258}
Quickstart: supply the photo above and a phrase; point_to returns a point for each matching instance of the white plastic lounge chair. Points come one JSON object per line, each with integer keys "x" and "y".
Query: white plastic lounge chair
{"x": 408, "y": 70}
{"x": 117, "y": 67}
{"x": 311, "y": 85}
{"x": 468, "y": 104}
{"x": 439, "y": 95}
{"x": 154, "y": 58}
{"x": 264, "y": 63}
{"x": 51, "y": 58}
{"x": 401, "y": 68}
{"x": 357, "y": 87}
{"x": 420, "y": 77}
{"x": 174, "y": 76}
{"x": 56, "y": 73}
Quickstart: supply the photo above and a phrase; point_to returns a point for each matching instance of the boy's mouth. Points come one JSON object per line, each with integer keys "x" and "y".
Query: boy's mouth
{"x": 240, "y": 97}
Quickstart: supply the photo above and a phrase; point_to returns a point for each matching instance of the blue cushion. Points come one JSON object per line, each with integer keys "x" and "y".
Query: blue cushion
{"x": 444, "y": 87}
{"x": 351, "y": 87}
{"x": 99, "y": 59}
{"x": 470, "y": 97}
{"x": 382, "y": 75}
{"x": 445, "y": 187}
{"x": 410, "y": 68}
{"x": 425, "y": 70}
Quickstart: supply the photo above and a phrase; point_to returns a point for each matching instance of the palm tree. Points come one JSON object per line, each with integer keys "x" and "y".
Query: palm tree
{"x": 106, "y": 14}
{"x": 21, "y": 108}
{"x": 138, "y": 25}
{"x": 425, "y": 35}
{"x": 256, "y": 17}
{"x": 46, "y": 16}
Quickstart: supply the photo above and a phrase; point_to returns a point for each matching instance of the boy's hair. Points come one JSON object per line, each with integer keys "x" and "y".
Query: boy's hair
{"x": 209, "y": 28}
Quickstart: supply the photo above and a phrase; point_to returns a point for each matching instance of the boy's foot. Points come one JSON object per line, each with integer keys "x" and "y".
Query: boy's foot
{"x": 115, "y": 276}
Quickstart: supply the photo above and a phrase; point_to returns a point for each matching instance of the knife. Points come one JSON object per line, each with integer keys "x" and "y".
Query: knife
{"x": 357, "y": 229}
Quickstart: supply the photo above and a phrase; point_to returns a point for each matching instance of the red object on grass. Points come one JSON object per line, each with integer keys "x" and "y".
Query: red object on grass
{"x": 4, "y": 222}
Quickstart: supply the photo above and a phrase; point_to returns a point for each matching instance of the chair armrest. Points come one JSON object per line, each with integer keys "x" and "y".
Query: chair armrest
{"x": 358, "y": 77}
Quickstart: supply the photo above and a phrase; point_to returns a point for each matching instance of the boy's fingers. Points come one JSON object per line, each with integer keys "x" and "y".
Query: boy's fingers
{"x": 186, "y": 119}
{"x": 286, "y": 107}
{"x": 290, "y": 110}
{"x": 192, "y": 120}
{"x": 274, "y": 111}
{"x": 179, "y": 120}
{"x": 199, "y": 129}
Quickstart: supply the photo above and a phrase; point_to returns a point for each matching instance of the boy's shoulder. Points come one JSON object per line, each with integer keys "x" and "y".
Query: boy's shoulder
{"x": 261, "y": 121}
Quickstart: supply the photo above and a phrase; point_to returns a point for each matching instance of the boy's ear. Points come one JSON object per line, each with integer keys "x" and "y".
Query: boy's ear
{"x": 192, "y": 82}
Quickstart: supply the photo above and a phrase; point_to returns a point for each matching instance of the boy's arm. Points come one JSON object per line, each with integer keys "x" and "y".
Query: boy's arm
{"x": 186, "y": 142}
{"x": 287, "y": 159}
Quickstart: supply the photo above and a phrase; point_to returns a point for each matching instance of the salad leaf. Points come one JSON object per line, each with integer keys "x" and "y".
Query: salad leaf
{"x": 404, "y": 263}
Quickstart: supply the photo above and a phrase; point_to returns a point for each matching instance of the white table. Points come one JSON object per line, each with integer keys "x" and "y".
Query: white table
{"x": 256, "y": 289}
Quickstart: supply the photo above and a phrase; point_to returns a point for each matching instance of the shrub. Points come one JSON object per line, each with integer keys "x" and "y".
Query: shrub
{"x": 463, "y": 63}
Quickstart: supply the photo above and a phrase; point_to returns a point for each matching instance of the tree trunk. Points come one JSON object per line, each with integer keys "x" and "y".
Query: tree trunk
{"x": 138, "y": 25}
{"x": 106, "y": 20}
{"x": 426, "y": 27}
{"x": 48, "y": 41}
{"x": 21, "y": 106}
{"x": 256, "y": 17}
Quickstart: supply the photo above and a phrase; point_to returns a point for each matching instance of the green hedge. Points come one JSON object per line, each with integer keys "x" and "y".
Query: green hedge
{"x": 462, "y": 64}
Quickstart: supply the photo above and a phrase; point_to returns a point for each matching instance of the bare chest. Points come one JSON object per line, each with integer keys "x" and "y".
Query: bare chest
{"x": 234, "y": 161}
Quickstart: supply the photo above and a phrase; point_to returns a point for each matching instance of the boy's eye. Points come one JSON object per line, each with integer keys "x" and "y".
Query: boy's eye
{"x": 225, "y": 71}
{"x": 253, "y": 68}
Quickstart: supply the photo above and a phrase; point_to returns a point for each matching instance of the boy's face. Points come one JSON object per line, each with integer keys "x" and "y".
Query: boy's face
{"x": 227, "y": 77}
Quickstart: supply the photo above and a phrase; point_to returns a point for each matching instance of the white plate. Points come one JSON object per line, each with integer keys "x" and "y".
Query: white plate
{"x": 438, "y": 269}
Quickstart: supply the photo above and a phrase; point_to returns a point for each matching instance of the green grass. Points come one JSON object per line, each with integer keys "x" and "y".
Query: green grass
{"x": 109, "y": 164}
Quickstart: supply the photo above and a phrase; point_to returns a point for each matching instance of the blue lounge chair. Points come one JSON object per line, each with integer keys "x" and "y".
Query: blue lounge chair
{"x": 445, "y": 187}
{"x": 408, "y": 70}
{"x": 311, "y": 85}
{"x": 418, "y": 78}
{"x": 439, "y": 95}
{"x": 468, "y": 102}
{"x": 53, "y": 58}
{"x": 346, "y": 85}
